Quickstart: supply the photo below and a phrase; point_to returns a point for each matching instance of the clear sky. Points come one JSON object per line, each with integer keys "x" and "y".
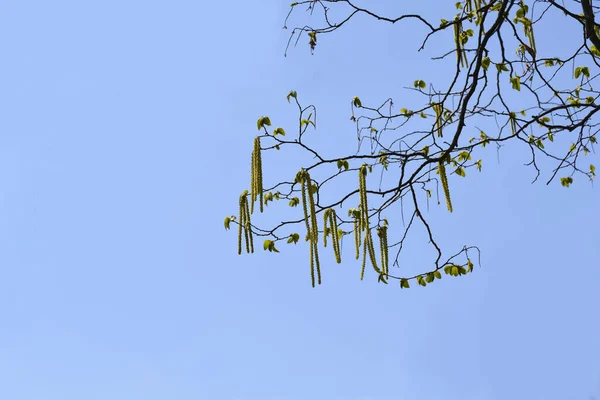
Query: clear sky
{"x": 125, "y": 136}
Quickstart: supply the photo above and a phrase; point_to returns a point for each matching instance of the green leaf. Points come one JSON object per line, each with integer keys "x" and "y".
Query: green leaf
{"x": 269, "y": 245}
{"x": 262, "y": 121}
{"x": 356, "y": 102}
{"x": 421, "y": 280}
{"x": 585, "y": 71}
{"x": 429, "y": 278}
{"x": 516, "y": 83}
{"x": 227, "y": 222}
{"x": 278, "y": 131}
{"x": 343, "y": 164}
{"x": 268, "y": 197}
{"x": 307, "y": 122}
{"x": 294, "y": 237}
{"x": 420, "y": 84}
{"x": 382, "y": 278}
{"x": 501, "y": 67}
{"x": 566, "y": 181}
{"x": 539, "y": 143}
{"x": 460, "y": 172}
{"x": 464, "y": 156}
{"x": 294, "y": 202}
{"x": 549, "y": 63}
{"x": 485, "y": 63}
{"x": 292, "y": 93}
{"x": 437, "y": 275}
{"x": 404, "y": 284}
{"x": 469, "y": 265}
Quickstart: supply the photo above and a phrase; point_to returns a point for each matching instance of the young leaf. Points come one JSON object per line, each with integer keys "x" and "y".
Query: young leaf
{"x": 292, "y": 93}
{"x": 516, "y": 83}
{"x": 262, "y": 121}
{"x": 501, "y": 67}
{"x": 485, "y": 63}
{"x": 566, "y": 181}
{"x": 419, "y": 84}
{"x": 294, "y": 237}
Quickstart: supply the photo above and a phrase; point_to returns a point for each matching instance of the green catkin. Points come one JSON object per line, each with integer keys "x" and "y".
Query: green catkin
{"x": 256, "y": 185}
{"x": 325, "y": 232}
{"x": 364, "y": 261}
{"x": 381, "y": 252}
{"x": 305, "y": 206}
{"x": 240, "y": 224}
{"x": 444, "y": 179}
{"x": 258, "y": 172}
{"x": 313, "y": 211}
{"x": 312, "y": 265}
{"x": 460, "y": 52}
{"x": 312, "y": 228}
{"x": 438, "y": 109}
{"x": 371, "y": 249}
{"x": 382, "y": 232}
{"x": 335, "y": 238}
{"x": 330, "y": 218}
{"x": 357, "y": 238}
{"x": 317, "y": 263}
{"x": 362, "y": 186}
{"x": 249, "y": 227}
{"x": 253, "y": 189}
{"x": 386, "y": 252}
{"x": 314, "y": 234}
{"x": 513, "y": 124}
{"x": 245, "y": 225}
{"x": 246, "y": 236}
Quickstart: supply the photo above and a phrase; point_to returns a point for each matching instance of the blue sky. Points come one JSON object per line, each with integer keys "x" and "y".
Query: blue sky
{"x": 125, "y": 139}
